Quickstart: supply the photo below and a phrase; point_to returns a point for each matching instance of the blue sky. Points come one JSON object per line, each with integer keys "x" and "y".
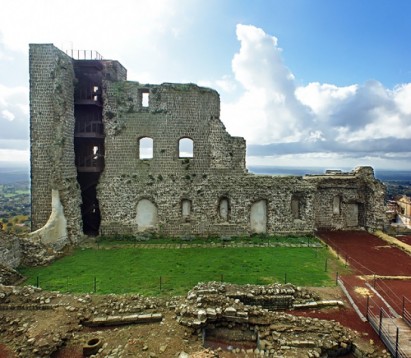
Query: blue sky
{"x": 306, "y": 82}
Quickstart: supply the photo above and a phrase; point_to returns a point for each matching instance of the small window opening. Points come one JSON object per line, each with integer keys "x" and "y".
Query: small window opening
{"x": 185, "y": 148}
{"x": 145, "y": 148}
{"x": 95, "y": 152}
{"x": 95, "y": 93}
{"x": 145, "y": 99}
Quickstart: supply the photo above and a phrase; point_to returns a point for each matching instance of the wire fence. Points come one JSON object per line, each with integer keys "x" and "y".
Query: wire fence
{"x": 406, "y": 310}
{"x": 388, "y": 331}
{"x": 172, "y": 284}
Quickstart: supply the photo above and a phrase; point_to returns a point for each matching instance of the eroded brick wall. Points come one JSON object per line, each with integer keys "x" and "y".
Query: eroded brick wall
{"x": 52, "y": 136}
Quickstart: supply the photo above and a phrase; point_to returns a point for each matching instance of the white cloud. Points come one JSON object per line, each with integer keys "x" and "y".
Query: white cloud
{"x": 323, "y": 98}
{"x": 402, "y": 97}
{"x": 6, "y": 114}
{"x": 268, "y": 111}
{"x": 14, "y": 112}
{"x": 14, "y": 155}
{"x": 322, "y": 122}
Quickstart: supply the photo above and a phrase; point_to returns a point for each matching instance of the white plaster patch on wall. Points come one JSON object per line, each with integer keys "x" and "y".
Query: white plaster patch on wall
{"x": 147, "y": 216}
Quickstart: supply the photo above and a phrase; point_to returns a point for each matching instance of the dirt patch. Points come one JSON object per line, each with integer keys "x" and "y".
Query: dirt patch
{"x": 363, "y": 291}
{"x": 49, "y": 324}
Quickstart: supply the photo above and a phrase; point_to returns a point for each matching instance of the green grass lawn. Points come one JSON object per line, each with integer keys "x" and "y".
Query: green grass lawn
{"x": 157, "y": 271}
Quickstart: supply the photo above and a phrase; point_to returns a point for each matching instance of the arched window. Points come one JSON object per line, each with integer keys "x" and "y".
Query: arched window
{"x": 145, "y": 148}
{"x": 185, "y": 148}
{"x": 224, "y": 209}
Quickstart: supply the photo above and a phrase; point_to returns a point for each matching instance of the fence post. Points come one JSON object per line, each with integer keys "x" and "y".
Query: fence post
{"x": 285, "y": 278}
{"x": 336, "y": 279}
{"x": 368, "y": 305}
{"x": 403, "y": 305}
{"x": 380, "y": 325}
{"x": 95, "y": 284}
{"x": 37, "y": 282}
{"x": 396, "y": 343}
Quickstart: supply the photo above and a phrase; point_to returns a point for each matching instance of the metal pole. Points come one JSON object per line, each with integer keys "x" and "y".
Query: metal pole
{"x": 336, "y": 278}
{"x": 37, "y": 282}
{"x": 285, "y": 277}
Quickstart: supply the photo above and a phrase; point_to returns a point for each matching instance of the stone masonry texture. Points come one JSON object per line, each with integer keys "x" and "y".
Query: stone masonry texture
{"x": 213, "y": 173}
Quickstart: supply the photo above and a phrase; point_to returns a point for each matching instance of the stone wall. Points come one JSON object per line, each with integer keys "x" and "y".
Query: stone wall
{"x": 52, "y": 136}
{"x": 175, "y": 191}
{"x": 10, "y": 251}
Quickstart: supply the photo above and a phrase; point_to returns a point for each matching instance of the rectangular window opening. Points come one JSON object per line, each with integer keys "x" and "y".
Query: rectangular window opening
{"x": 145, "y": 99}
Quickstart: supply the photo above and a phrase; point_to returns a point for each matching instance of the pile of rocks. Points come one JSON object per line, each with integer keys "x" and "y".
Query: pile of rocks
{"x": 8, "y": 275}
{"x": 217, "y": 307}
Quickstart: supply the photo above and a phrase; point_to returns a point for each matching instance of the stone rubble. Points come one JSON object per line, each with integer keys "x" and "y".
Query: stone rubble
{"x": 221, "y": 308}
{"x": 36, "y": 323}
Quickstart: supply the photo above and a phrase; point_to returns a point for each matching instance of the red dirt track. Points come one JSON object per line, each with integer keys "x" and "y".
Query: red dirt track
{"x": 368, "y": 254}
{"x": 404, "y": 238}
{"x": 382, "y": 276}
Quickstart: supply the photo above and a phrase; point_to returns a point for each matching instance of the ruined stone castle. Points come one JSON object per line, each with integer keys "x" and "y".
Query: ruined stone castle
{"x": 112, "y": 156}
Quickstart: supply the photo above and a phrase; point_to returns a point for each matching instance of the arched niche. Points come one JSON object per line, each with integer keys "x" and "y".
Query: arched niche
{"x": 147, "y": 215}
{"x": 224, "y": 209}
{"x": 258, "y": 217}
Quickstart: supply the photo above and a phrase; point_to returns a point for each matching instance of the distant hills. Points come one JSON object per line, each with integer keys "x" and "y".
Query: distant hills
{"x": 12, "y": 173}
{"x": 381, "y": 174}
